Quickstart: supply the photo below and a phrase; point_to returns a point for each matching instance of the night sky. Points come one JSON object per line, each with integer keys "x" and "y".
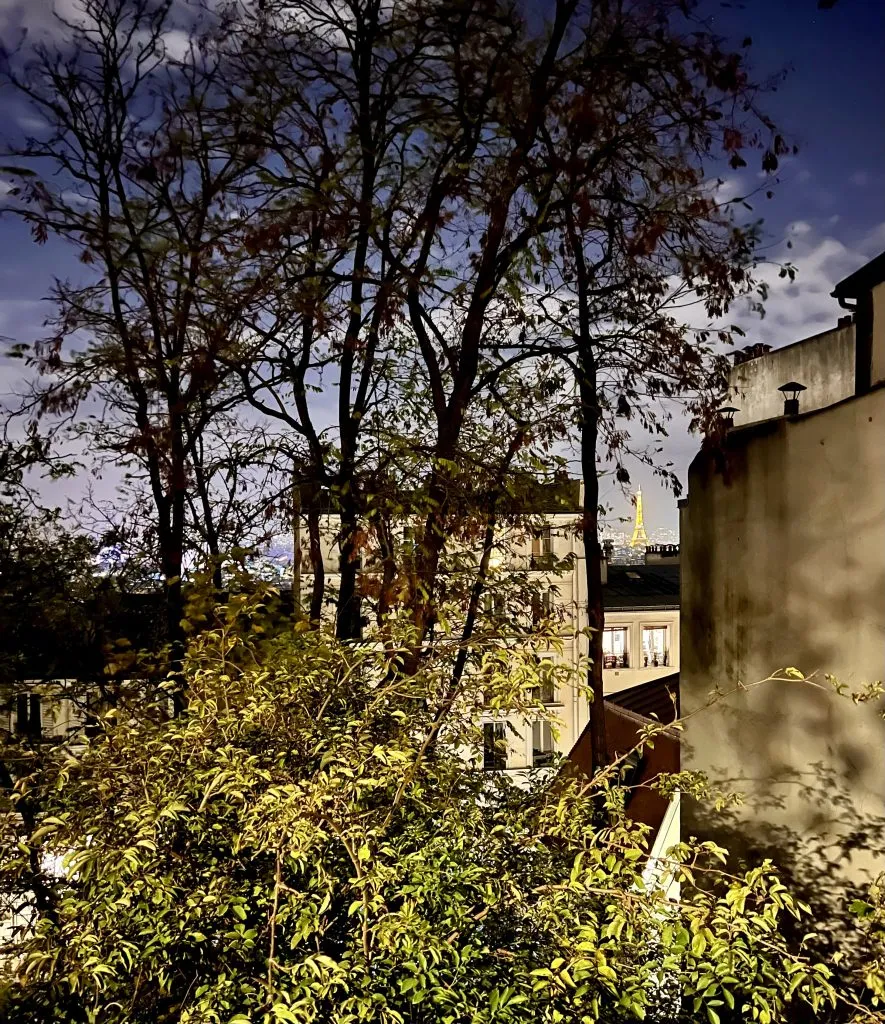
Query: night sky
{"x": 830, "y": 203}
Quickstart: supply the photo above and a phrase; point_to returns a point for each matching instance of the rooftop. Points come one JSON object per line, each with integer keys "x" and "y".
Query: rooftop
{"x": 641, "y": 586}
{"x": 653, "y": 700}
{"x": 862, "y": 280}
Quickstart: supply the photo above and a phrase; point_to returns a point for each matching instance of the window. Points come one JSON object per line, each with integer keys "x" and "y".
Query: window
{"x": 655, "y": 646}
{"x": 542, "y": 744}
{"x": 545, "y": 692}
{"x": 494, "y": 746}
{"x": 28, "y": 717}
{"x": 615, "y": 647}
{"x": 542, "y": 548}
{"x": 542, "y": 607}
{"x": 495, "y": 606}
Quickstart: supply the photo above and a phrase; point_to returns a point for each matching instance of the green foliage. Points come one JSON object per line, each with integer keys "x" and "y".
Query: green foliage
{"x": 296, "y": 847}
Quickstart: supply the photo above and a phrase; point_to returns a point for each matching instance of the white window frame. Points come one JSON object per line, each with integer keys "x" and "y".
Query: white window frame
{"x": 542, "y": 732}
{"x": 625, "y": 628}
{"x": 668, "y": 643}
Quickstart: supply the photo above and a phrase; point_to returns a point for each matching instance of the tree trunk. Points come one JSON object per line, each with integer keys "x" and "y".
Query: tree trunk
{"x": 316, "y": 555}
{"x": 296, "y": 551}
{"x": 347, "y": 621}
{"x": 592, "y": 562}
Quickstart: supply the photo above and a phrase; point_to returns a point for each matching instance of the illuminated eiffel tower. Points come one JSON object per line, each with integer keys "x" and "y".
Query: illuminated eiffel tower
{"x": 639, "y": 534}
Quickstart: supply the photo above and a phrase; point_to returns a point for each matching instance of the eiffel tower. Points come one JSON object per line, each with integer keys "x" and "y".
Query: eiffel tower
{"x": 639, "y": 534}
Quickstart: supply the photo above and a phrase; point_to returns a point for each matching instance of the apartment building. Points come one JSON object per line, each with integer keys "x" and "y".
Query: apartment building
{"x": 641, "y": 641}
{"x": 539, "y": 551}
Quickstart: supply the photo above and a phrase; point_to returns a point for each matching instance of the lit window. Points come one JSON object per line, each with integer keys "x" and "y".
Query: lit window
{"x": 494, "y": 746}
{"x": 495, "y": 606}
{"x": 615, "y": 647}
{"x": 655, "y": 646}
{"x": 542, "y": 744}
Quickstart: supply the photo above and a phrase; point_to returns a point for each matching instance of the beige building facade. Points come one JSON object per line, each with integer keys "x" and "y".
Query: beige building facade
{"x": 641, "y": 637}
{"x": 642, "y": 623}
{"x": 783, "y": 567}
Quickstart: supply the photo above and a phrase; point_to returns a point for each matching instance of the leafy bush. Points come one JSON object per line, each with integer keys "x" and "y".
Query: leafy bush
{"x": 307, "y": 843}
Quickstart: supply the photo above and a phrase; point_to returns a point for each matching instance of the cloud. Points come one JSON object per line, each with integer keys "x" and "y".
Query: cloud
{"x": 797, "y": 309}
{"x": 725, "y": 190}
{"x": 41, "y": 20}
{"x": 859, "y": 178}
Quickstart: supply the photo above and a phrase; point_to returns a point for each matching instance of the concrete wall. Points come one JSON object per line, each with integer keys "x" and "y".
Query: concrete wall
{"x": 783, "y": 564}
{"x": 877, "y": 355}
{"x": 823, "y": 363}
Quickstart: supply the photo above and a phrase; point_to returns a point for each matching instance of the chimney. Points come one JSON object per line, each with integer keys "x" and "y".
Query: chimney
{"x": 605, "y": 557}
{"x": 662, "y": 554}
{"x": 791, "y": 391}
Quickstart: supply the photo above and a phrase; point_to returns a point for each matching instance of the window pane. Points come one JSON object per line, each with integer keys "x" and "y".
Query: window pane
{"x": 494, "y": 746}
{"x": 28, "y": 716}
{"x": 615, "y": 647}
{"x": 542, "y": 606}
{"x": 545, "y": 693}
{"x": 542, "y": 744}
{"x": 21, "y": 712}
{"x": 542, "y": 548}
{"x": 546, "y": 690}
{"x": 655, "y": 646}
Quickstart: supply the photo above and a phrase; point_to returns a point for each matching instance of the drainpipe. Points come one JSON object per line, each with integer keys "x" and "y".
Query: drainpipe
{"x": 862, "y": 310}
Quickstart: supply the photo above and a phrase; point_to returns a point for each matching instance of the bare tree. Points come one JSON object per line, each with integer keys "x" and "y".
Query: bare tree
{"x": 134, "y": 168}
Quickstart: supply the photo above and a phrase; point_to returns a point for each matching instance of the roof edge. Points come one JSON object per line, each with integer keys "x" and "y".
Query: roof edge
{"x": 862, "y": 280}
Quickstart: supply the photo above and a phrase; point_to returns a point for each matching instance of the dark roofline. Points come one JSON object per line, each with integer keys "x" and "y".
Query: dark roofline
{"x": 651, "y": 701}
{"x": 773, "y": 350}
{"x": 743, "y": 430}
{"x": 653, "y": 607}
{"x": 862, "y": 280}
{"x": 740, "y": 435}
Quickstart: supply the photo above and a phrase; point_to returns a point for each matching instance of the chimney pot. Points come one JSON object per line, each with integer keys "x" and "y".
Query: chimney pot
{"x": 791, "y": 391}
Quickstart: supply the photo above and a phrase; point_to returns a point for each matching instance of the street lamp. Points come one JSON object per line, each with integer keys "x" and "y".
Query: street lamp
{"x": 790, "y": 391}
